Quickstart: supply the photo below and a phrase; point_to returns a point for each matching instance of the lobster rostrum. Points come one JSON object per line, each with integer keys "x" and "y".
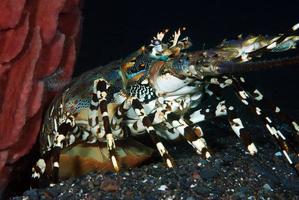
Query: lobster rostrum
{"x": 164, "y": 91}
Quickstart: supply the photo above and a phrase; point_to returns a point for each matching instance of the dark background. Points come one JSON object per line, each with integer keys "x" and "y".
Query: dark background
{"x": 113, "y": 29}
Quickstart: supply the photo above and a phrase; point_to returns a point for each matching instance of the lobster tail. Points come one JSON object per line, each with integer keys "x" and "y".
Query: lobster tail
{"x": 233, "y": 68}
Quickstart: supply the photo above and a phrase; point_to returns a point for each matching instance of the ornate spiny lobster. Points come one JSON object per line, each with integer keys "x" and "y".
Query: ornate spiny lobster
{"x": 164, "y": 91}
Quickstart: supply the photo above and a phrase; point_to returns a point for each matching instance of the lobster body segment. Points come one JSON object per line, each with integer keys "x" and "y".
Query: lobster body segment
{"x": 161, "y": 90}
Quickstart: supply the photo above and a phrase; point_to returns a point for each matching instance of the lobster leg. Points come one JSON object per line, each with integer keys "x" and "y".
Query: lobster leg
{"x": 177, "y": 124}
{"x": 101, "y": 86}
{"x": 56, "y": 154}
{"x": 240, "y": 130}
{"x": 229, "y": 106}
{"x": 37, "y": 171}
{"x": 258, "y": 97}
{"x": 274, "y": 131}
{"x": 147, "y": 123}
{"x": 93, "y": 115}
{"x": 117, "y": 119}
{"x": 60, "y": 139}
{"x": 209, "y": 109}
{"x": 193, "y": 135}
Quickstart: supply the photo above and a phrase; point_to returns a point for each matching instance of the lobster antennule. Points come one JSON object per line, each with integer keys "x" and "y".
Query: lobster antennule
{"x": 233, "y": 68}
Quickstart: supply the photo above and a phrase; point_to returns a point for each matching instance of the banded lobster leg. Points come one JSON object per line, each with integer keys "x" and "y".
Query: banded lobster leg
{"x": 60, "y": 131}
{"x": 93, "y": 116}
{"x": 261, "y": 101}
{"x": 221, "y": 88}
{"x": 116, "y": 122}
{"x": 189, "y": 127}
{"x": 193, "y": 134}
{"x": 143, "y": 123}
{"x": 147, "y": 124}
{"x": 101, "y": 87}
{"x": 244, "y": 97}
{"x": 282, "y": 141}
{"x": 177, "y": 126}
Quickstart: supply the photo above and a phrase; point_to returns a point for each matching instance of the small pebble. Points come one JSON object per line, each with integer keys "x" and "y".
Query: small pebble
{"x": 190, "y": 198}
{"x": 267, "y": 188}
{"x": 195, "y": 175}
{"x": 32, "y": 194}
{"x": 144, "y": 181}
{"x": 208, "y": 173}
{"x": 278, "y": 153}
{"x": 162, "y": 188}
{"x": 109, "y": 185}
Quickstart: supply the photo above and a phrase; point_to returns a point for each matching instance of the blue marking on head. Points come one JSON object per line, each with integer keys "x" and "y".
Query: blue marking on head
{"x": 132, "y": 75}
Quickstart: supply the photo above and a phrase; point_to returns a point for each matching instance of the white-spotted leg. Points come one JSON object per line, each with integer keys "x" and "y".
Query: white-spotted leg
{"x": 93, "y": 116}
{"x": 189, "y": 125}
{"x": 40, "y": 167}
{"x": 59, "y": 142}
{"x": 261, "y": 101}
{"x": 176, "y": 126}
{"x": 240, "y": 130}
{"x": 147, "y": 123}
{"x": 102, "y": 88}
{"x": 64, "y": 127}
{"x": 221, "y": 87}
{"x": 271, "y": 127}
{"x": 116, "y": 122}
{"x": 193, "y": 135}
{"x": 38, "y": 171}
